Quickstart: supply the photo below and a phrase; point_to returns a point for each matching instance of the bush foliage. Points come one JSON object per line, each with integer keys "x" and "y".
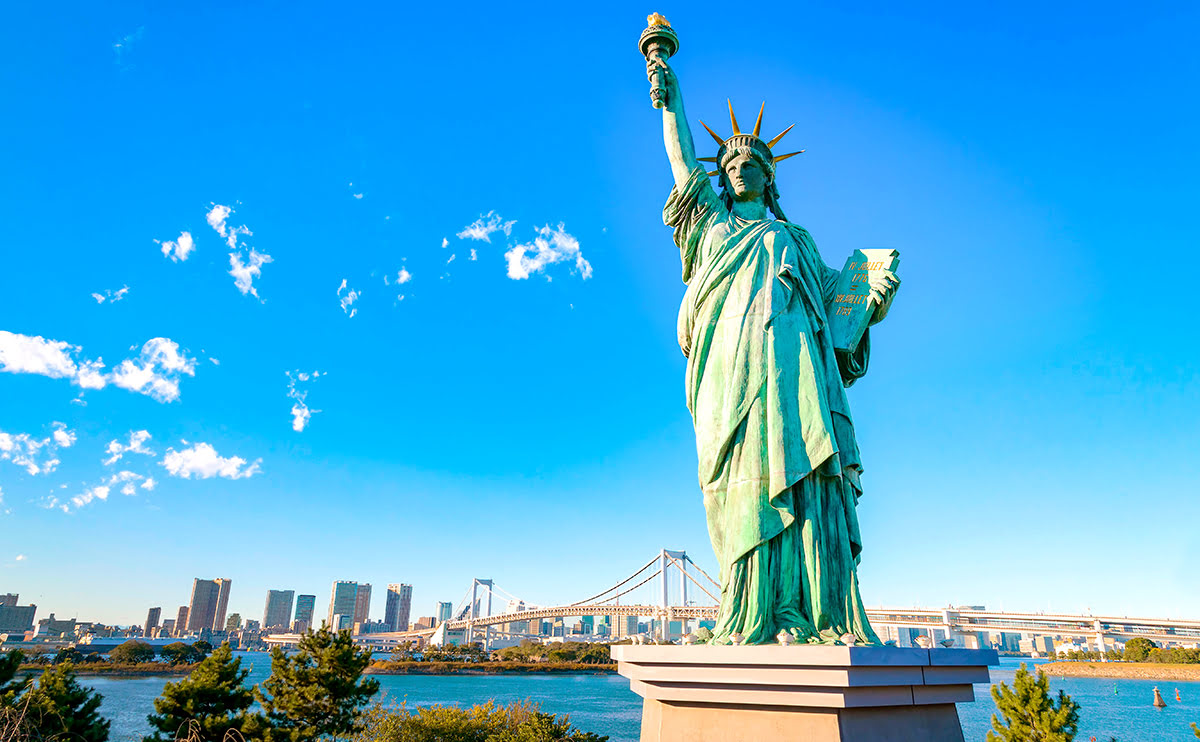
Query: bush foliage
{"x": 1030, "y": 715}
{"x": 516, "y": 722}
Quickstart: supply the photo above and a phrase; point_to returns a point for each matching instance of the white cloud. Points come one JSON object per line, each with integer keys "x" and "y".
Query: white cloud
{"x": 3, "y": 510}
{"x": 111, "y": 296}
{"x": 474, "y": 256}
{"x": 402, "y": 277}
{"x": 348, "y": 300}
{"x": 122, "y": 47}
{"x": 484, "y": 227}
{"x": 24, "y": 354}
{"x": 445, "y": 243}
{"x": 301, "y": 413}
{"x": 358, "y": 196}
{"x": 99, "y": 492}
{"x": 156, "y": 371}
{"x": 550, "y": 246}
{"x": 202, "y": 461}
{"x": 245, "y": 273}
{"x": 218, "y": 217}
{"x": 451, "y": 260}
{"x": 20, "y": 557}
{"x": 178, "y": 250}
{"x": 36, "y": 455}
{"x": 137, "y": 444}
{"x": 148, "y": 484}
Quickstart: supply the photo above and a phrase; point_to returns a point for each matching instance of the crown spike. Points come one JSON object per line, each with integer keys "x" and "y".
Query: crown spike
{"x": 732, "y": 118}
{"x": 718, "y": 139}
{"x": 706, "y": 159}
{"x": 758, "y": 124}
{"x": 711, "y": 173}
{"x": 775, "y": 141}
{"x": 790, "y": 154}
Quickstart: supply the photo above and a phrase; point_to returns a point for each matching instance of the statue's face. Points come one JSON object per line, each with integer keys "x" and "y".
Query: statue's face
{"x": 747, "y": 181}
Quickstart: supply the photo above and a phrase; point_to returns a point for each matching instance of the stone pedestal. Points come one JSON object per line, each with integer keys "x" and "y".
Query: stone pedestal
{"x": 700, "y": 693}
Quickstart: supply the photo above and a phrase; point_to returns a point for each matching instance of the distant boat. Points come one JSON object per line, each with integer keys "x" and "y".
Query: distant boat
{"x": 1177, "y": 698}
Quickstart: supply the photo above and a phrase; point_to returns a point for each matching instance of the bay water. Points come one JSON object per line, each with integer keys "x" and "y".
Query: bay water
{"x": 604, "y": 704}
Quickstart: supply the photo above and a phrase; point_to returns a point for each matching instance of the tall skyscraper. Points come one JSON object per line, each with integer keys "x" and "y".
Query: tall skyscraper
{"x": 305, "y": 606}
{"x": 223, "y": 585}
{"x": 202, "y": 608}
{"x": 342, "y": 600}
{"x": 278, "y": 612}
{"x": 444, "y": 611}
{"x": 362, "y": 604}
{"x": 181, "y": 619}
{"x": 398, "y": 608}
{"x": 152, "y": 620}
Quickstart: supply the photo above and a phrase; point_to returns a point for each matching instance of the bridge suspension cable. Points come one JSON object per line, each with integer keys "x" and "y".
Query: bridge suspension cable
{"x": 618, "y": 585}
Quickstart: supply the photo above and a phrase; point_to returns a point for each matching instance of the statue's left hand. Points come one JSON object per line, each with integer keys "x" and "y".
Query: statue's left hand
{"x": 884, "y": 286}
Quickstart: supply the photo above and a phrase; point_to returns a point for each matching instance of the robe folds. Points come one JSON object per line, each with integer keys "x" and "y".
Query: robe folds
{"x": 778, "y": 462}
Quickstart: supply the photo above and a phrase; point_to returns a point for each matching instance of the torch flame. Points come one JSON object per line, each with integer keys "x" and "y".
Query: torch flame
{"x": 657, "y": 19}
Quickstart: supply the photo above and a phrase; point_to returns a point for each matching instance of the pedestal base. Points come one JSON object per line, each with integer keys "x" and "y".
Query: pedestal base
{"x": 809, "y": 693}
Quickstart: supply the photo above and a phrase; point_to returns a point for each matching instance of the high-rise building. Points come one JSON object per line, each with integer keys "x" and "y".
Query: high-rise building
{"x": 168, "y": 627}
{"x": 181, "y": 619}
{"x": 152, "y": 620}
{"x": 223, "y": 585}
{"x": 234, "y": 622}
{"x": 203, "y": 605}
{"x": 278, "y": 611}
{"x": 362, "y": 604}
{"x": 305, "y": 605}
{"x": 342, "y": 600}
{"x": 399, "y": 606}
{"x": 445, "y": 611}
{"x": 15, "y": 619}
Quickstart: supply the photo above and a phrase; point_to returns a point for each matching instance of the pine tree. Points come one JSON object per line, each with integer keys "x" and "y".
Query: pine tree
{"x": 207, "y": 703}
{"x": 59, "y": 708}
{"x": 10, "y": 688}
{"x": 318, "y": 691}
{"x": 1029, "y": 713}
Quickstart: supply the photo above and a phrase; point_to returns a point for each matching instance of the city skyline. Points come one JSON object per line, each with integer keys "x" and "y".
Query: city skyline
{"x": 241, "y": 315}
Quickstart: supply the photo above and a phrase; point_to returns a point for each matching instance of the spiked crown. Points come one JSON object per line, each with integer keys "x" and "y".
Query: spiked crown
{"x": 742, "y": 139}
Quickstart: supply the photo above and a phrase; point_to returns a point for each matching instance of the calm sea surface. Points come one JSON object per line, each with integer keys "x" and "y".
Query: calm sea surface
{"x": 605, "y": 705}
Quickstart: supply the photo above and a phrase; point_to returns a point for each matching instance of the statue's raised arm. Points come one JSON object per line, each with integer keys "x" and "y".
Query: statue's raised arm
{"x": 676, "y": 135}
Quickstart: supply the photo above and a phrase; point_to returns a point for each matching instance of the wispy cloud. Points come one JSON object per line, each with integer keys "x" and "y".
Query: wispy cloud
{"x": 136, "y": 444}
{"x": 156, "y": 372}
{"x": 347, "y": 301}
{"x": 178, "y": 250}
{"x": 402, "y": 277}
{"x": 36, "y": 455}
{"x": 484, "y": 227}
{"x": 3, "y": 510}
{"x": 111, "y": 296}
{"x": 218, "y": 218}
{"x": 123, "y": 47}
{"x": 549, "y": 247}
{"x": 301, "y": 413}
{"x": 203, "y": 462}
{"x": 245, "y": 273}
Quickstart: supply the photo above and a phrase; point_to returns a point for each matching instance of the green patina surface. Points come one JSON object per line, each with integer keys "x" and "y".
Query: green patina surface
{"x": 779, "y": 466}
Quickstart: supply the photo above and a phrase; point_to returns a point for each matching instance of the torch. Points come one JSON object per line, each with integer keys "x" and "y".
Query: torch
{"x": 658, "y": 41}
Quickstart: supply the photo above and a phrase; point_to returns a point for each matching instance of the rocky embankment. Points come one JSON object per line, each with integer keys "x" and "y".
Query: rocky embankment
{"x": 1131, "y": 670}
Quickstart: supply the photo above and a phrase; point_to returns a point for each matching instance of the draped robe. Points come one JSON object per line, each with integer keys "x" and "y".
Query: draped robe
{"x": 779, "y": 465}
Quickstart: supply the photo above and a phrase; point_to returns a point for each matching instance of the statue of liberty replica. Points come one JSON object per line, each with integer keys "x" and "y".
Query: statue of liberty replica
{"x": 766, "y": 383}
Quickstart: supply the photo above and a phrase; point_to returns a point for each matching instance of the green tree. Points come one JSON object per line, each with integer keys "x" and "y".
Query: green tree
{"x": 68, "y": 654}
{"x": 1029, "y": 713}
{"x": 177, "y": 653}
{"x": 201, "y": 649}
{"x": 59, "y": 708}
{"x": 319, "y": 691}
{"x": 209, "y": 702}
{"x": 1138, "y": 649}
{"x": 10, "y": 688}
{"x": 132, "y": 652}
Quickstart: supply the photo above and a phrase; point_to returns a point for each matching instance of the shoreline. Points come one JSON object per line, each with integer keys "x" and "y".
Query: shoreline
{"x": 388, "y": 667}
{"x": 103, "y": 668}
{"x": 1122, "y": 670}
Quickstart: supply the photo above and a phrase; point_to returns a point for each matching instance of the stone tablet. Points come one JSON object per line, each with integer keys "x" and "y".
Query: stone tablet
{"x": 852, "y": 306}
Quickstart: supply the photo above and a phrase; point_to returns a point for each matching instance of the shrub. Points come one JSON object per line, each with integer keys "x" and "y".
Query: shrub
{"x": 1029, "y": 713}
{"x": 516, "y": 722}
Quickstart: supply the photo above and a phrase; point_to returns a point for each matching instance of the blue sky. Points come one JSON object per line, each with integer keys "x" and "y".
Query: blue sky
{"x": 1028, "y": 424}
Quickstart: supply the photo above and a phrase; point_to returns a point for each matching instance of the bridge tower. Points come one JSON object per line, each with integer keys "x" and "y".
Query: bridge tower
{"x": 474, "y": 612}
{"x": 665, "y": 559}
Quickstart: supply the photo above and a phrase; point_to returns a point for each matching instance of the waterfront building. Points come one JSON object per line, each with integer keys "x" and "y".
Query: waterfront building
{"x": 252, "y": 626}
{"x": 210, "y": 599}
{"x": 15, "y": 619}
{"x": 305, "y": 605}
{"x": 168, "y": 627}
{"x": 341, "y": 621}
{"x": 181, "y": 619}
{"x": 278, "y": 611}
{"x": 362, "y": 603}
{"x": 343, "y": 599}
{"x": 444, "y": 611}
{"x": 152, "y": 620}
{"x": 234, "y": 622}
{"x": 399, "y": 606}
{"x": 54, "y": 628}
{"x": 587, "y": 625}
